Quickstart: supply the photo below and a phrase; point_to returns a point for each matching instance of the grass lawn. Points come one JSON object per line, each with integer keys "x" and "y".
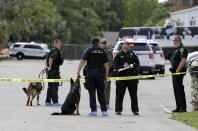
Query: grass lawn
{"x": 190, "y": 118}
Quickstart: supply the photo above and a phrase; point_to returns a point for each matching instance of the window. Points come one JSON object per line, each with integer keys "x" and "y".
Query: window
{"x": 28, "y": 46}
{"x": 16, "y": 45}
{"x": 155, "y": 47}
{"x": 192, "y": 22}
{"x": 37, "y": 47}
{"x": 137, "y": 47}
{"x": 187, "y": 2}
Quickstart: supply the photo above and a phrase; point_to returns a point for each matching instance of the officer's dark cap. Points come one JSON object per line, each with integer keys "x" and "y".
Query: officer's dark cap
{"x": 95, "y": 40}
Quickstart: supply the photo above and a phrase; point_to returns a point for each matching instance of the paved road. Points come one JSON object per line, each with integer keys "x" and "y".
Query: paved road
{"x": 154, "y": 96}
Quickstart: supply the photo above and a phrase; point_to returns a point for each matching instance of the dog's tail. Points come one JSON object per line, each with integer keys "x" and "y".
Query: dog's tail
{"x": 25, "y": 90}
{"x": 56, "y": 113}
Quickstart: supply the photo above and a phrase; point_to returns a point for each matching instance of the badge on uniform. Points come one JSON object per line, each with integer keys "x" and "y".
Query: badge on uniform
{"x": 182, "y": 50}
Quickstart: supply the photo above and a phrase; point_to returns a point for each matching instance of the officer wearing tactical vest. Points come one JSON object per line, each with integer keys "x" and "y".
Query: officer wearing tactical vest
{"x": 97, "y": 73}
{"x": 125, "y": 59}
{"x": 178, "y": 61}
{"x": 53, "y": 62}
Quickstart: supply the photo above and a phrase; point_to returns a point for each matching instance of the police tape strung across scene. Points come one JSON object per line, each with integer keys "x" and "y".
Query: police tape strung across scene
{"x": 82, "y": 80}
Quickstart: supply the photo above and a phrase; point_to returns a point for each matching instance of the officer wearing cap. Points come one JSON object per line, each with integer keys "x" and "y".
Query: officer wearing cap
{"x": 178, "y": 61}
{"x": 53, "y": 62}
{"x": 97, "y": 73}
{"x": 124, "y": 59}
{"x": 103, "y": 45}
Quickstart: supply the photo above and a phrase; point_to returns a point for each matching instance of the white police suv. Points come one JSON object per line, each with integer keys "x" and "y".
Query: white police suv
{"x": 22, "y": 50}
{"x": 158, "y": 58}
{"x": 144, "y": 52}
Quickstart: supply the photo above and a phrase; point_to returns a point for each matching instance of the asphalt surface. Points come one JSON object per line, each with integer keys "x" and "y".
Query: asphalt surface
{"x": 155, "y": 98}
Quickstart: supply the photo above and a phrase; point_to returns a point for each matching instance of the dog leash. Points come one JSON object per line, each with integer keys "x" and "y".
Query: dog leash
{"x": 41, "y": 75}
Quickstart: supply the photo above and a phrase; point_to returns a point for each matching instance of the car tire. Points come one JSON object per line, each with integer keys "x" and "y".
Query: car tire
{"x": 162, "y": 72}
{"x": 20, "y": 56}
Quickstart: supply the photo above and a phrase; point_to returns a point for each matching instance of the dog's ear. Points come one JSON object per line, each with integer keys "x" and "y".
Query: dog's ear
{"x": 71, "y": 81}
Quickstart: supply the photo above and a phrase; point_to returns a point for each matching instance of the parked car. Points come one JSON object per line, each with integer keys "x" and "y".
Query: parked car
{"x": 22, "y": 50}
{"x": 159, "y": 58}
{"x": 191, "y": 56}
{"x": 144, "y": 52}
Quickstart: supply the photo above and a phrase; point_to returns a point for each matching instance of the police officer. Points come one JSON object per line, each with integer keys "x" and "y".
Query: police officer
{"x": 178, "y": 61}
{"x": 103, "y": 45}
{"x": 97, "y": 72}
{"x": 122, "y": 60}
{"x": 53, "y": 62}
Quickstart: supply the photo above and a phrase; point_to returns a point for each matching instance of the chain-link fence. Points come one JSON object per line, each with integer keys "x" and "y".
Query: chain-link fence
{"x": 73, "y": 51}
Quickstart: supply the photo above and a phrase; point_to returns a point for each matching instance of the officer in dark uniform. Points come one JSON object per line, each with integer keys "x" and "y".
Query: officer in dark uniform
{"x": 53, "y": 62}
{"x": 97, "y": 72}
{"x": 124, "y": 59}
{"x": 178, "y": 61}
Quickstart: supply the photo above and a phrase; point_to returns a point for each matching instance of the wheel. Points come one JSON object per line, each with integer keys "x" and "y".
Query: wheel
{"x": 162, "y": 72}
{"x": 20, "y": 56}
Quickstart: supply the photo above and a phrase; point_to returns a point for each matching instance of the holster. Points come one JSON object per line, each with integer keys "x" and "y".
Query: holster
{"x": 172, "y": 70}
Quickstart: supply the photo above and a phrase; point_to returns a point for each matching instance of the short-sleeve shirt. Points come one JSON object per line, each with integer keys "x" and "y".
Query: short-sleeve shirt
{"x": 95, "y": 57}
{"x": 179, "y": 53}
{"x": 54, "y": 54}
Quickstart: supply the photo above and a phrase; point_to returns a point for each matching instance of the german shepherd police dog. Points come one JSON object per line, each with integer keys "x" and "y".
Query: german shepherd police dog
{"x": 72, "y": 100}
{"x": 34, "y": 89}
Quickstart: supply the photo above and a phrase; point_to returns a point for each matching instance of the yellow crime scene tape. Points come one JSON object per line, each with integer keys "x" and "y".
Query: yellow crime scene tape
{"x": 82, "y": 79}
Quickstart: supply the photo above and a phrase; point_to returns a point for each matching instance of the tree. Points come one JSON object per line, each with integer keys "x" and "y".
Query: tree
{"x": 159, "y": 15}
{"x": 87, "y": 18}
{"x": 138, "y": 11}
{"x": 36, "y": 20}
{"x": 3, "y": 34}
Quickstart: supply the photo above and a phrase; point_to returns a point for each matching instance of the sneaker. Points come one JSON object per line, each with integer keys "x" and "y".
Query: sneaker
{"x": 135, "y": 113}
{"x": 118, "y": 113}
{"x": 93, "y": 113}
{"x": 48, "y": 104}
{"x": 56, "y": 104}
{"x": 104, "y": 113}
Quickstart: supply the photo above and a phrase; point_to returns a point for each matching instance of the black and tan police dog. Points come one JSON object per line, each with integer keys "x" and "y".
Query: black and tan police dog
{"x": 34, "y": 89}
{"x": 72, "y": 100}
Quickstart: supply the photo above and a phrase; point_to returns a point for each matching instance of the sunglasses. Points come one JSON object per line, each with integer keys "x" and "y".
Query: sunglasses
{"x": 175, "y": 40}
{"x": 104, "y": 43}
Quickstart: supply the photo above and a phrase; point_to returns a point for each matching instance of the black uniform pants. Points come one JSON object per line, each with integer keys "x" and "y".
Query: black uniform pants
{"x": 179, "y": 91}
{"x": 120, "y": 91}
{"x": 52, "y": 91}
{"x": 95, "y": 82}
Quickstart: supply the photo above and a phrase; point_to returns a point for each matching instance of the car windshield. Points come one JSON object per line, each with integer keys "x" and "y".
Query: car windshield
{"x": 155, "y": 47}
{"x": 136, "y": 47}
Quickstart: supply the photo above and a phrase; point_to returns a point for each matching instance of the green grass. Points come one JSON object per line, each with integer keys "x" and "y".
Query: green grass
{"x": 190, "y": 118}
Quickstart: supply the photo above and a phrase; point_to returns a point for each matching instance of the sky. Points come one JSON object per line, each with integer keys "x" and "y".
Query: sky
{"x": 162, "y": 0}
